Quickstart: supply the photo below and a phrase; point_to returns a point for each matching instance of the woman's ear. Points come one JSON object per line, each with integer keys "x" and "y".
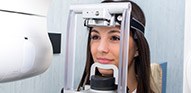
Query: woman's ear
{"x": 136, "y": 53}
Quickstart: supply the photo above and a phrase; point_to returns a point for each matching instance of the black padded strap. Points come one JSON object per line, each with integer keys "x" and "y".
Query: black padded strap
{"x": 135, "y": 24}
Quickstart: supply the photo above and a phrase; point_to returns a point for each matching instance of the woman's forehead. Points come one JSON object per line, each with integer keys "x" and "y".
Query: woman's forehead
{"x": 99, "y": 28}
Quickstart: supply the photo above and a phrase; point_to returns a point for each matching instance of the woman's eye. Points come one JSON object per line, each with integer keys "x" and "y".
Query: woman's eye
{"x": 115, "y": 38}
{"x": 95, "y": 37}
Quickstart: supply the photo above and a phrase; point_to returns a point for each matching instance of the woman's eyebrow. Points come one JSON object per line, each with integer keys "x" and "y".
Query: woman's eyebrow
{"x": 94, "y": 30}
{"x": 114, "y": 31}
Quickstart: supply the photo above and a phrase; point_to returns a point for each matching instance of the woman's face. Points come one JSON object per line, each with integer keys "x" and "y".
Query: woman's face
{"x": 105, "y": 43}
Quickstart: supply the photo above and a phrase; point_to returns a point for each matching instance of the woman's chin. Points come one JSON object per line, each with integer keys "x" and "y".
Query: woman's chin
{"x": 105, "y": 72}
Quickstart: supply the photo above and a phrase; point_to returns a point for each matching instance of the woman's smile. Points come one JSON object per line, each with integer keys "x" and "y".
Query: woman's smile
{"x": 104, "y": 60}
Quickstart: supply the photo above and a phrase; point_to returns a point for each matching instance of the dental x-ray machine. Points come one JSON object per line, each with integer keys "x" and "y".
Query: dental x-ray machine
{"x": 104, "y": 14}
{"x": 25, "y": 49}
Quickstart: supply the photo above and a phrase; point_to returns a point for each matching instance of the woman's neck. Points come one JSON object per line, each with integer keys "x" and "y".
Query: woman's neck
{"x": 132, "y": 80}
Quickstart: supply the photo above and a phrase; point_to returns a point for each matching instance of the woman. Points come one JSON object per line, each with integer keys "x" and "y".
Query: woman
{"x": 103, "y": 47}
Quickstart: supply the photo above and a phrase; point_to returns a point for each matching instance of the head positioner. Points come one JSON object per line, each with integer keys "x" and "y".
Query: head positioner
{"x": 104, "y": 14}
{"x": 104, "y": 17}
{"x": 134, "y": 23}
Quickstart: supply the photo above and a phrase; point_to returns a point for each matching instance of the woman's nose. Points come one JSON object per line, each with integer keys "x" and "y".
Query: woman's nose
{"x": 103, "y": 46}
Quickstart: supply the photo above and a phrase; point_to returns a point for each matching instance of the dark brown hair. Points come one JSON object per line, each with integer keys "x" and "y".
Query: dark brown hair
{"x": 142, "y": 62}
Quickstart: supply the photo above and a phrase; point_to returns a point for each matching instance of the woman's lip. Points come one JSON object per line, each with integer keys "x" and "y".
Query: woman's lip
{"x": 104, "y": 60}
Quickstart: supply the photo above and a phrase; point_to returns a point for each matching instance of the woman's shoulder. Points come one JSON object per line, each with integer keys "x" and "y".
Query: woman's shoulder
{"x": 156, "y": 78}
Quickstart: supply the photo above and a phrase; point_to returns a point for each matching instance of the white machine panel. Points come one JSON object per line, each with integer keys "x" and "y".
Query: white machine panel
{"x": 25, "y": 46}
{"x": 39, "y": 7}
